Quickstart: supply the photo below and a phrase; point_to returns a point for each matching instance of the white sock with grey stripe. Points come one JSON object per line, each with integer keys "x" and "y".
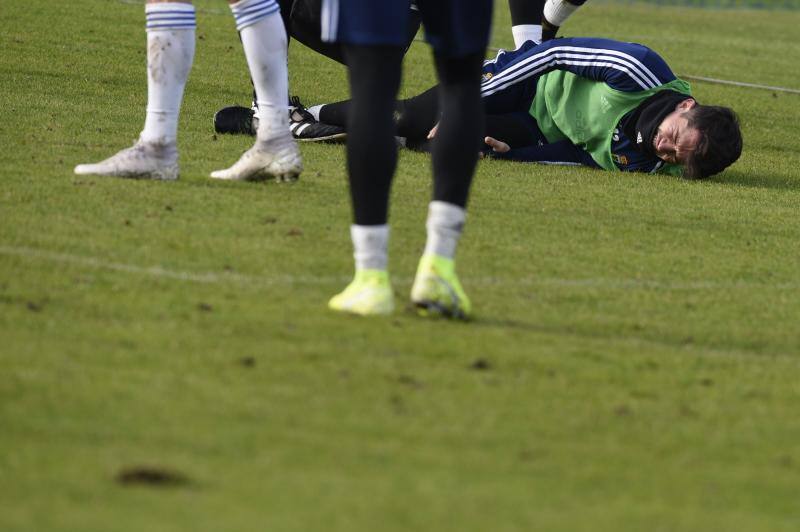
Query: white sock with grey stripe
{"x": 170, "y": 53}
{"x": 264, "y": 42}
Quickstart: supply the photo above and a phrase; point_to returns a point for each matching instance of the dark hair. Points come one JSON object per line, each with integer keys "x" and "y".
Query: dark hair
{"x": 720, "y": 140}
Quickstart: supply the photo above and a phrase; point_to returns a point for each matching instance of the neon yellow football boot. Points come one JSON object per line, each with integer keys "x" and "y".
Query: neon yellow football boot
{"x": 437, "y": 291}
{"x": 369, "y": 294}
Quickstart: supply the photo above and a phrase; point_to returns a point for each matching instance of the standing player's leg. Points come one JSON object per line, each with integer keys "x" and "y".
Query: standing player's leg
{"x": 374, "y": 73}
{"x": 526, "y": 20}
{"x": 275, "y": 153}
{"x": 170, "y": 30}
{"x": 455, "y": 150}
{"x": 459, "y": 33}
{"x": 372, "y": 34}
{"x": 302, "y": 19}
{"x": 555, "y": 14}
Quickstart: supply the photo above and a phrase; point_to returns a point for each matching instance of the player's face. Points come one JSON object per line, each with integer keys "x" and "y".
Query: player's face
{"x": 675, "y": 140}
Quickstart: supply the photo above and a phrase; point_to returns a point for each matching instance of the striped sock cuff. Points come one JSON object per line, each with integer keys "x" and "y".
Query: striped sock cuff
{"x": 170, "y": 16}
{"x": 247, "y": 12}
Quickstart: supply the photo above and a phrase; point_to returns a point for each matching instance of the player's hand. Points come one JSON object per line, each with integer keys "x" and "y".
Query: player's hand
{"x": 432, "y": 132}
{"x": 497, "y": 146}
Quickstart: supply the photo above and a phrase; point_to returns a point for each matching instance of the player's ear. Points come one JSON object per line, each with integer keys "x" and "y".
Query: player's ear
{"x": 686, "y": 104}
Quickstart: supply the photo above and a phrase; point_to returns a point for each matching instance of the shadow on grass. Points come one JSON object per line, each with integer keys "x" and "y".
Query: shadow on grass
{"x": 764, "y": 179}
{"x": 666, "y": 341}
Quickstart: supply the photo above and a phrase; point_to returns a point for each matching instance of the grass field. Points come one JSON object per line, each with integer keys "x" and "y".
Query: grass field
{"x": 167, "y": 361}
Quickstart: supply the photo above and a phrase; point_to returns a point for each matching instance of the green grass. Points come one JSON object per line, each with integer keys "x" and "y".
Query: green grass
{"x": 634, "y": 364}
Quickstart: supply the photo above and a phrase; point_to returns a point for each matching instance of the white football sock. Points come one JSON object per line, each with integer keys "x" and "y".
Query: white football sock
{"x": 371, "y": 245}
{"x": 558, "y": 11}
{"x": 264, "y": 42}
{"x": 526, "y": 32}
{"x": 314, "y": 110}
{"x": 170, "y": 52}
{"x": 445, "y": 224}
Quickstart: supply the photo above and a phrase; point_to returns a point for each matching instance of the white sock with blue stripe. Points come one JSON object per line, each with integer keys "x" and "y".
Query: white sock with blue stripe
{"x": 264, "y": 42}
{"x": 170, "y": 52}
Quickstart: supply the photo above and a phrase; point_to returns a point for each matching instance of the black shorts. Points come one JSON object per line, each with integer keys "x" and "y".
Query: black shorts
{"x": 454, "y": 28}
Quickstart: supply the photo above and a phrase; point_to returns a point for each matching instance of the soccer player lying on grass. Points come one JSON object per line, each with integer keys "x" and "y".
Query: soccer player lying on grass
{"x": 595, "y": 102}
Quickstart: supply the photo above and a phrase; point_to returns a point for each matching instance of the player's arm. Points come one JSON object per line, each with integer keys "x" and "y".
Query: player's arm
{"x": 627, "y": 67}
{"x": 562, "y": 152}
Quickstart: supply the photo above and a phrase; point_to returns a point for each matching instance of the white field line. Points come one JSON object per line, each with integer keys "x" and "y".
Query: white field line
{"x": 165, "y": 273}
{"x": 740, "y": 84}
{"x": 273, "y": 279}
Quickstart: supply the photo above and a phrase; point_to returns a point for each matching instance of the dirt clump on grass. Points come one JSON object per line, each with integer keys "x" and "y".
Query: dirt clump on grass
{"x": 151, "y": 476}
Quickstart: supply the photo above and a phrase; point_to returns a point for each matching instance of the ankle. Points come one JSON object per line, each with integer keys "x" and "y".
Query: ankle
{"x": 161, "y": 147}
{"x": 273, "y": 123}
